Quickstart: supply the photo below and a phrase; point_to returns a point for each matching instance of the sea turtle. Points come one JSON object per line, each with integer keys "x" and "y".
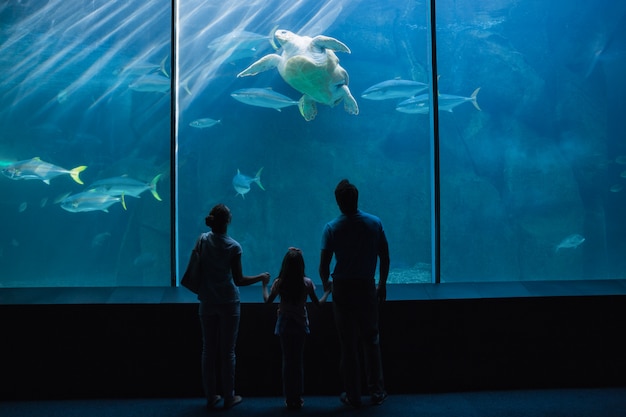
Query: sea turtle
{"x": 310, "y": 66}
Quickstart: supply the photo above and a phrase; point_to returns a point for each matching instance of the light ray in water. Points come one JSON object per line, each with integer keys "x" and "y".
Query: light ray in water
{"x": 199, "y": 73}
{"x": 98, "y": 65}
{"x": 60, "y": 31}
{"x": 56, "y": 40}
{"x": 73, "y": 36}
{"x": 323, "y": 19}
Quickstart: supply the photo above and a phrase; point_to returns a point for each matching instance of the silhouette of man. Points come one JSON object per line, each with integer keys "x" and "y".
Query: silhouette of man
{"x": 358, "y": 241}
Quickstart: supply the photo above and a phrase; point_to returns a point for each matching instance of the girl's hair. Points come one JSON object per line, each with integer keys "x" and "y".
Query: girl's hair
{"x": 291, "y": 276}
{"x": 218, "y": 218}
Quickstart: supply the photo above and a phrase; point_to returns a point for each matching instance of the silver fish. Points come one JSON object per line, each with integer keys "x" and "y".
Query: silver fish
{"x": 263, "y": 97}
{"x": 204, "y": 123}
{"x": 421, "y": 104}
{"x": 415, "y": 105}
{"x": 124, "y": 185}
{"x": 91, "y": 201}
{"x": 151, "y": 83}
{"x": 142, "y": 68}
{"x": 572, "y": 241}
{"x": 136, "y": 69}
{"x": 242, "y": 182}
{"x": 394, "y": 89}
{"x": 36, "y": 169}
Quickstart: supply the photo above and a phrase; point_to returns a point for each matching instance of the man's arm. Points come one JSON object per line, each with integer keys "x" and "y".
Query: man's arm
{"x": 383, "y": 255}
{"x": 324, "y": 268}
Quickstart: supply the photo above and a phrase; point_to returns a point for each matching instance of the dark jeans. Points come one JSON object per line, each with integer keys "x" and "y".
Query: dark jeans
{"x": 356, "y": 317}
{"x": 220, "y": 326}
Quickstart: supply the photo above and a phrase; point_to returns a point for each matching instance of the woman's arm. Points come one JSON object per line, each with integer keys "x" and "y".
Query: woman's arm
{"x": 244, "y": 280}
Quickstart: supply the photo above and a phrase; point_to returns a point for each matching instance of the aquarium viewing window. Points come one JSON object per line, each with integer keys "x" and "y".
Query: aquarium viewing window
{"x": 123, "y": 123}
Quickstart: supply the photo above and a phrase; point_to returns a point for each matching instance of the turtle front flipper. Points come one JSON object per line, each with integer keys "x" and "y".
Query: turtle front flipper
{"x": 349, "y": 103}
{"x": 326, "y": 42}
{"x": 266, "y": 63}
{"x": 308, "y": 108}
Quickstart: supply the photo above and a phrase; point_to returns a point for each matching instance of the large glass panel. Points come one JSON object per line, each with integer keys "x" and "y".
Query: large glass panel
{"x": 533, "y": 163}
{"x": 285, "y": 168}
{"x": 85, "y": 132}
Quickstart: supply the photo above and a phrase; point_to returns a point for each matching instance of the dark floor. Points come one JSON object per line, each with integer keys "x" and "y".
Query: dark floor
{"x": 609, "y": 402}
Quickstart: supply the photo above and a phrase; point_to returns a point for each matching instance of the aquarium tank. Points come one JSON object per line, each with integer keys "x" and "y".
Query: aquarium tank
{"x": 124, "y": 122}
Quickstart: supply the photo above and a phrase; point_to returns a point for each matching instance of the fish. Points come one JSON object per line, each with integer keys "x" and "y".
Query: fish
{"x": 125, "y": 185}
{"x": 240, "y": 44}
{"x": 242, "y": 182}
{"x": 204, "y": 123}
{"x": 616, "y": 188}
{"x": 605, "y": 46}
{"x": 91, "y": 201}
{"x": 151, "y": 83}
{"x": 623, "y": 174}
{"x": 136, "y": 69}
{"x": 22, "y": 207}
{"x": 36, "y": 169}
{"x": 415, "y": 105}
{"x": 394, "y": 89}
{"x": 142, "y": 68}
{"x": 572, "y": 241}
{"x": 421, "y": 104}
{"x": 145, "y": 260}
{"x": 621, "y": 160}
{"x": 263, "y": 97}
{"x": 100, "y": 239}
{"x": 62, "y": 96}
{"x": 61, "y": 197}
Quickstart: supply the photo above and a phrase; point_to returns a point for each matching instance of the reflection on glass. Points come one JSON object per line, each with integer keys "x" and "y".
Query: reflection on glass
{"x": 85, "y": 146}
{"x": 289, "y": 131}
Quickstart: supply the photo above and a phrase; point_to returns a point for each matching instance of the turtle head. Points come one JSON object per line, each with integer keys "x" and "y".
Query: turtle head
{"x": 283, "y": 36}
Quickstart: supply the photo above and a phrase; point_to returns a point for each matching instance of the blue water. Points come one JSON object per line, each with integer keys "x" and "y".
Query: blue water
{"x": 541, "y": 161}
